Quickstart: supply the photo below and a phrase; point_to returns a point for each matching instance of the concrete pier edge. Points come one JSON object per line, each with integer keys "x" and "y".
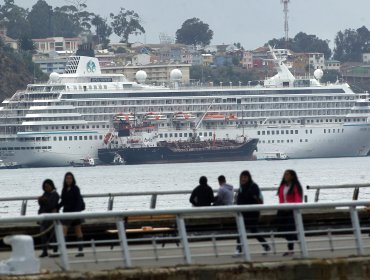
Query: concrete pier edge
{"x": 329, "y": 269}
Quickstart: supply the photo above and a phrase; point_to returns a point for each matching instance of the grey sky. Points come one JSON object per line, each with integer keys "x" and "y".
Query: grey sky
{"x": 250, "y": 22}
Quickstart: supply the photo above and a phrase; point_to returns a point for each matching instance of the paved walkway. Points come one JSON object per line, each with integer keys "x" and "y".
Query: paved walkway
{"x": 203, "y": 252}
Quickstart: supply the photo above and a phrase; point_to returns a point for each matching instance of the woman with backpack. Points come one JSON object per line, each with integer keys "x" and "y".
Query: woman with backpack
{"x": 72, "y": 201}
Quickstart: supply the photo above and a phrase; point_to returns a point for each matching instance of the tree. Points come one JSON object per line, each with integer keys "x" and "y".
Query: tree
{"x": 102, "y": 31}
{"x": 14, "y": 19}
{"x": 303, "y": 42}
{"x": 125, "y": 23}
{"x": 194, "y": 32}
{"x": 351, "y": 44}
{"x": 40, "y": 20}
{"x": 26, "y": 44}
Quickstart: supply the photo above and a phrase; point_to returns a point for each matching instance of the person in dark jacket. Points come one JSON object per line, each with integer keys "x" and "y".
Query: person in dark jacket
{"x": 71, "y": 201}
{"x": 249, "y": 194}
{"x": 202, "y": 195}
{"x": 48, "y": 203}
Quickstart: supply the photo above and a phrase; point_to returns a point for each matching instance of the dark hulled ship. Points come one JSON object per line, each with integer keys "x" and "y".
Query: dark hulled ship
{"x": 184, "y": 151}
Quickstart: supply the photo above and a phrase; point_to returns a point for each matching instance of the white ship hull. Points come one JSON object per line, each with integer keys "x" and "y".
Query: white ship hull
{"x": 342, "y": 141}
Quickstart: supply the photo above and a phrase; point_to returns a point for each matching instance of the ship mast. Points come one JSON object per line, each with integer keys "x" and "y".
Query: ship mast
{"x": 201, "y": 119}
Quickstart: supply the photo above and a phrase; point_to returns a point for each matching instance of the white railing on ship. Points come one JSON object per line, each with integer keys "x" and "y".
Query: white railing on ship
{"x": 206, "y": 247}
{"x": 184, "y": 194}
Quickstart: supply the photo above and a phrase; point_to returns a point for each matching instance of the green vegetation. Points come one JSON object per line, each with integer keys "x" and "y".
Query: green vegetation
{"x": 17, "y": 70}
{"x": 194, "y": 32}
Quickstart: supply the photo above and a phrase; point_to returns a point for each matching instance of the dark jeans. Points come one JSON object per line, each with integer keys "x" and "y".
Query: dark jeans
{"x": 48, "y": 237}
{"x": 285, "y": 222}
{"x": 251, "y": 226}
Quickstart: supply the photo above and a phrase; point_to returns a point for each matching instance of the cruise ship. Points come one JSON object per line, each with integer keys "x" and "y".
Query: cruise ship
{"x": 70, "y": 117}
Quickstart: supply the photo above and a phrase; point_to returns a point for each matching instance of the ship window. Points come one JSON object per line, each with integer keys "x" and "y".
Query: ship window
{"x": 93, "y": 126}
{"x": 291, "y": 132}
{"x": 85, "y": 137}
{"x": 263, "y": 141}
{"x": 67, "y": 127}
{"x": 300, "y": 140}
{"x": 286, "y": 131}
{"x": 296, "y": 132}
{"x": 328, "y": 130}
{"x": 190, "y": 134}
{"x": 269, "y": 141}
{"x": 210, "y": 134}
{"x": 272, "y": 141}
{"x": 185, "y": 135}
{"x": 277, "y": 132}
{"x": 95, "y": 137}
{"x": 333, "y": 130}
{"x": 44, "y": 148}
{"x": 258, "y": 133}
{"x": 103, "y": 125}
{"x": 37, "y": 148}
{"x": 306, "y": 140}
{"x": 23, "y": 148}
{"x": 278, "y": 141}
{"x": 175, "y": 134}
{"x": 65, "y": 138}
{"x": 83, "y": 127}
{"x": 282, "y": 141}
{"x": 90, "y": 137}
{"x": 160, "y": 135}
{"x": 75, "y": 138}
{"x": 97, "y": 126}
{"x": 287, "y": 141}
{"x": 180, "y": 134}
{"x": 87, "y": 126}
{"x": 170, "y": 135}
{"x": 273, "y": 132}
{"x": 101, "y": 137}
{"x": 80, "y": 137}
{"x": 63, "y": 127}
{"x": 324, "y": 130}
{"x": 60, "y": 138}
{"x": 282, "y": 132}
{"x": 200, "y": 133}
{"x": 165, "y": 135}
{"x": 263, "y": 132}
{"x": 70, "y": 138}
{"x": 55, "y": 139}
{"x": 46, "y": 128}
{"x": 17, "y": 148}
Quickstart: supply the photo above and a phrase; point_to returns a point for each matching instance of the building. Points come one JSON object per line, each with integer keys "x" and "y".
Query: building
{"x": 207, "y": 59}
{"x": 7, "y": 40}
{"x": 57, "y": 44}
{"x": 332, "y": 65}
{"x": 366, "y": 58}
{"x": 51, "y": 64}
{"x": 247, "y": 60}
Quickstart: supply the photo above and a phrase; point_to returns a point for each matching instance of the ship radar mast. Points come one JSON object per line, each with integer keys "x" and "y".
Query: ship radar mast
{"x": 286, "y": 23}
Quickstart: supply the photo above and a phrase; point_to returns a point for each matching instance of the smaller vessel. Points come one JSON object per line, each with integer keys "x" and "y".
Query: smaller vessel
{"x": 85, "y": 162}
{"x": 214, "y": 117}
{"x": 129, "y": 117}
{"x": 155, "y": 117}
{"x": 276, "y": 156}
{"x": 9, "y": 165}
{"x": 183, "y": 117}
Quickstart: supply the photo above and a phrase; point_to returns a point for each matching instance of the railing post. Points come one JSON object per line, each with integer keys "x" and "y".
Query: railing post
{"x": 123, "y": 242}
{"x": 183, "y": 237}
{"x": 24, "y": 208}
{"x": 153, "y": 201}
{"x": 356, "y": 192}
{"x": 243, "y": 236}
{"x": 317, "y": 194}
{"x": 110, "y": 202}
{"x": 356, "y": 230}
{"x": 300, "y": 229}
{"x": 61, "y": 245}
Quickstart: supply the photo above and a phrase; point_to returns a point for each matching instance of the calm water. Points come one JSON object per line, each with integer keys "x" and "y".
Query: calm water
{"x": 110, "y": 179}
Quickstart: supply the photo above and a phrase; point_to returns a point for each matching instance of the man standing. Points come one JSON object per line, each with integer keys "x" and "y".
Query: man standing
{"x": 225, "y": 193}
{"x": 202, "y": 195}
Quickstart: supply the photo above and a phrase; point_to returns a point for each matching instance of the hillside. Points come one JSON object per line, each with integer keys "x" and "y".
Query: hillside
{"x": 16, "y": 71}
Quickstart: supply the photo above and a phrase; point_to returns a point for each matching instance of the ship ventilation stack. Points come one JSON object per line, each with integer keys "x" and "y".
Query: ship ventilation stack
{"x": 176, "y": 77}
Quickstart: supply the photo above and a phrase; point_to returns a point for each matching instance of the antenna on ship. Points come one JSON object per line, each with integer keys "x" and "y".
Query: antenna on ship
{"x": 201, "y": 119}
{"x": 286, "y": 24}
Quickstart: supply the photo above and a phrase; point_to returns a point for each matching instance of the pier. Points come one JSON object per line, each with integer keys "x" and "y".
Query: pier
{"x": 179, "y": 242}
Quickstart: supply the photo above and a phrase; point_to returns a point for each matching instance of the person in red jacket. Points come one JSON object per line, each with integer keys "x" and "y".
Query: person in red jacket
{"x": 290, "y": 191}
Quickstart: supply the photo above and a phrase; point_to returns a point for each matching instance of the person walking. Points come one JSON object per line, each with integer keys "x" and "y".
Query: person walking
{"x": 72, "y": 201}
{"x": 225, "y": 194}
{"x": 202, "y": 195}
{"x": 290, "y": 191}
{"x": 249, "y": 194}
{"x": 48, "y": 203}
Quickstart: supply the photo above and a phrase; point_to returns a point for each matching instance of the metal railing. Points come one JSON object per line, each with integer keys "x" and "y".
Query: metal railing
{"x": 153, "y": 196}
{"x": 207, "y": 247}
{"x": 355, "y": 187}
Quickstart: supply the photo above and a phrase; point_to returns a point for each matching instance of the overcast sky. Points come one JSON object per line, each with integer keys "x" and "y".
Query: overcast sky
{"x": 250, "y": 22}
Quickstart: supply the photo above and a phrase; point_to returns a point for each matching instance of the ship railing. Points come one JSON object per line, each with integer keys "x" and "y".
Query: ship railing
{"x": 166, "y": 199}
{"x": 189, "y": 244}
{"x": 355, "y": 195}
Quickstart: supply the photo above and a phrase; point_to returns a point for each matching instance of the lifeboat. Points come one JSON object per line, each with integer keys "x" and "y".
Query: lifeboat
{"x": 214, "y": 117}
{"x": 129, "y": 117}
{"x": 232, "y": 117}
{"x": 183, "y": 117}
{"x": 155, "y": 117}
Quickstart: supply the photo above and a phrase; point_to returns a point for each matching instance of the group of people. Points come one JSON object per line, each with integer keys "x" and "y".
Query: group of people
{"x": 289, "y": 191}
{"x": 50, "y": 202}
